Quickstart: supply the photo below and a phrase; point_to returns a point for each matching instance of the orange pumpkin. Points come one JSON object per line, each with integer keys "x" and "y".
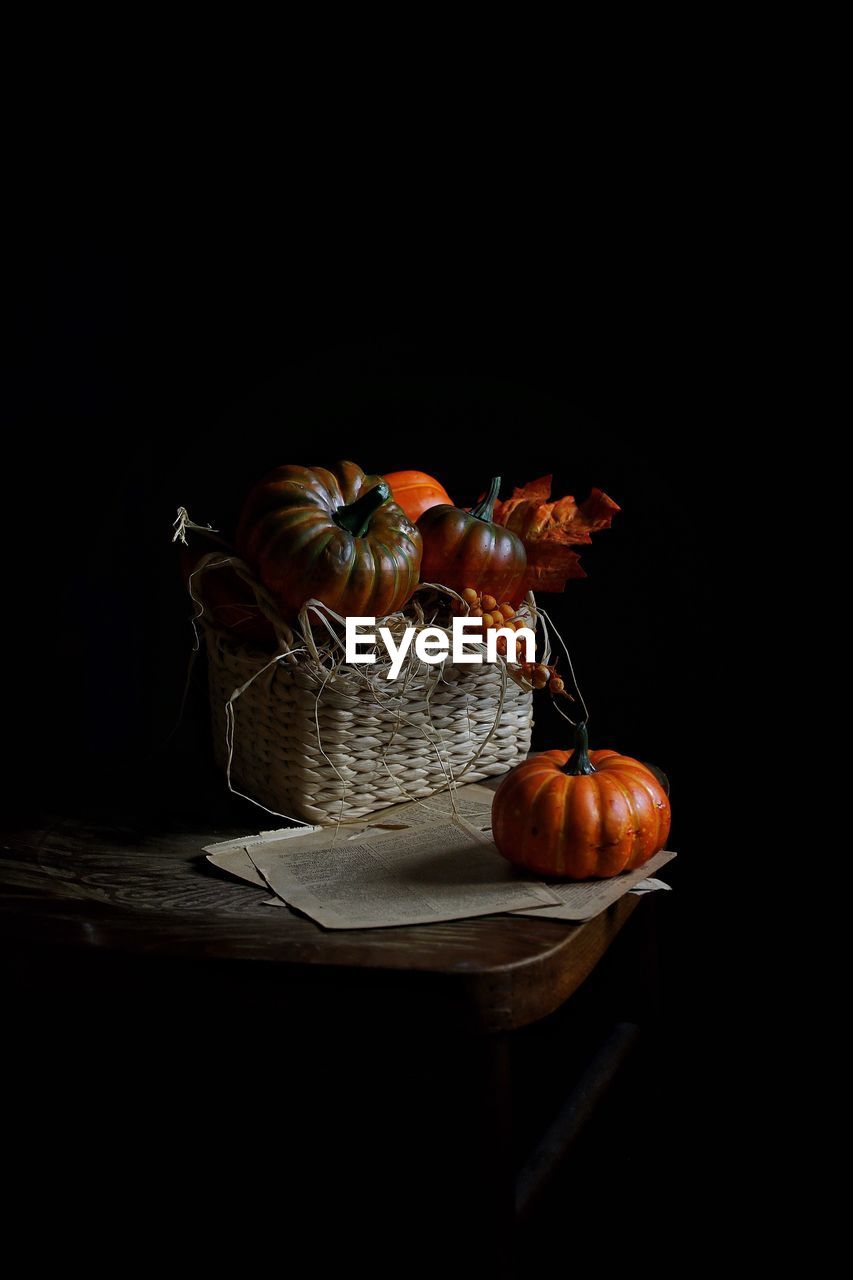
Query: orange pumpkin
{"x": 332, "y": 534}
{"x": 416, "y": 492}
{"x": 467, "y": 549}
{"x": 581, "y": 814}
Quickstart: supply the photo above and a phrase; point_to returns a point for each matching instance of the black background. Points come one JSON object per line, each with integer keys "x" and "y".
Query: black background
{"x": 142, "y": 380}
{"x": 142, "y": 374}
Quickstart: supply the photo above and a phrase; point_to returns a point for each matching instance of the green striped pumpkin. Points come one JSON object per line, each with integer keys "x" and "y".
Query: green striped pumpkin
{"x": 332, "y": 534}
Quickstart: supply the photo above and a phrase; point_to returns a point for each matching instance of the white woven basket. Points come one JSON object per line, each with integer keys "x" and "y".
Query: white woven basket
{"x": 308, "y": 736}
{"x": 325, "y": 748}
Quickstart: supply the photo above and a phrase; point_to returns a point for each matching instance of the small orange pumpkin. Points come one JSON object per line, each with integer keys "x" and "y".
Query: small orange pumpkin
{"x": 416, "y": 492}
{"x": 580, "y": 815}
{"x": 467, "y": 549}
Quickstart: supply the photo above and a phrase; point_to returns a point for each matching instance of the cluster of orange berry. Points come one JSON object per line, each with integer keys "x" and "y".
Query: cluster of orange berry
{"x": 492, "y": 615}
{"x": 539, "y": 675}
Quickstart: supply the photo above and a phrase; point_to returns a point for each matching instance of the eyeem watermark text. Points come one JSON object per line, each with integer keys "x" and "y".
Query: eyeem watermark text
{"x": 432, "y": 644}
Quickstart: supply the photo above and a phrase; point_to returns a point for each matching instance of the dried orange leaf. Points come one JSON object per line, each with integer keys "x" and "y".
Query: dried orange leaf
{"x": 549, "y": 530}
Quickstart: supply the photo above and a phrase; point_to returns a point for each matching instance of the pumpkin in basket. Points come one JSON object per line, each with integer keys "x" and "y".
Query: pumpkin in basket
{"x": 416, "y": 492}
{"x": 580, "y": 814}
{"x": 331, "y": 534}
{"x": 466, "y": 548}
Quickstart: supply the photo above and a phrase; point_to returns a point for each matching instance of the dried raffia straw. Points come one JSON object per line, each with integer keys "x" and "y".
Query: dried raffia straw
{"x": 546, "y": 620}
{"x": 325, "y": 741}
{"x": 318, "y": 740}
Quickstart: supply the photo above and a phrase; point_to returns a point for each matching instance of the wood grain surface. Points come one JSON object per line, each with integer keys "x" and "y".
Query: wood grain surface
{"x": 107, "y": 888}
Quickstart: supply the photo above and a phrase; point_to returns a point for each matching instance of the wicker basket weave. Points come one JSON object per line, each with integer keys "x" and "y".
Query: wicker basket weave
{"x": 310, "y": 737}
{"x": 326, "y": 748}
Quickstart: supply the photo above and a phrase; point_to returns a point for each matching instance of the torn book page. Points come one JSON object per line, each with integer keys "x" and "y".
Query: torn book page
{"x": 583, "y": 899}
{"x": 238, "y": 863}
{"x": 232, "y": 855}
{"x": 649, "y": 886}
{"x": 473, "y": 803}
{"x": 260, "y": 837}
{"x": 421, "y": 875}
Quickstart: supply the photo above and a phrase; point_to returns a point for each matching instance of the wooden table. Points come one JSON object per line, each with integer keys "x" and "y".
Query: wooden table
{"x": 92, "y": 906}
{"x": 112, "y": 889}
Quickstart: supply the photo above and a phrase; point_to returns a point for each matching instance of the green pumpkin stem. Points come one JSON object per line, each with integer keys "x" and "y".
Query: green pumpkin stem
{"x": 579, "y": 762}
{"x": 357, "y": 516}
{"x": 485, "y": 510}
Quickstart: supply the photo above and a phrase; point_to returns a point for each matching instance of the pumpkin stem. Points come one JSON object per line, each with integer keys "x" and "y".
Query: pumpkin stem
{"x": 357, "y": 516}
{"x": 485, "y": 510}
{"x": 579, "y": 761}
